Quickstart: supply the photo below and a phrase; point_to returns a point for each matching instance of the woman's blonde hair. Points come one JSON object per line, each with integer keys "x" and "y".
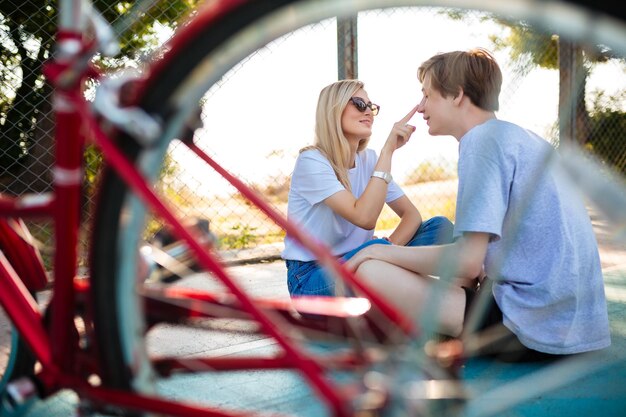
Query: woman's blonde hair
{"x": 329, "y": 137}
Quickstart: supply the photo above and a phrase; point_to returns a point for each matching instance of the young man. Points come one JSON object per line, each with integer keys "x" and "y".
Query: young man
{"x": 518, "y": 222}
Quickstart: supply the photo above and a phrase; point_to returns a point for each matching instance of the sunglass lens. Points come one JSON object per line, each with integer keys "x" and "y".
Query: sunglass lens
{"x": 360, "y": 104}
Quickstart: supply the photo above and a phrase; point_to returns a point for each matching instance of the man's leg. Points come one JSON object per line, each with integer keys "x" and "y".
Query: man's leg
{"x": 434, "y": 231}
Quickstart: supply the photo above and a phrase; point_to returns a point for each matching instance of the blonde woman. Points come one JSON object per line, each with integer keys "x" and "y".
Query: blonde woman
{"x": 339, "y": 188}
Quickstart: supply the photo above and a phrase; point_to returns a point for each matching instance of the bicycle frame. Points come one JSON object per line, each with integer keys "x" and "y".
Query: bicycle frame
{"x": 64, "y": 364}
{"x": 72, "y": 361}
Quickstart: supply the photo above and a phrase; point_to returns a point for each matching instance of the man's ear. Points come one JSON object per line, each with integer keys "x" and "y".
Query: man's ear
{"x": 459, "y": 97}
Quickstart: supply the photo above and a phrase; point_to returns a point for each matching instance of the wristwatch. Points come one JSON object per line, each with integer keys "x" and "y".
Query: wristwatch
{"x": 385, "y": 176}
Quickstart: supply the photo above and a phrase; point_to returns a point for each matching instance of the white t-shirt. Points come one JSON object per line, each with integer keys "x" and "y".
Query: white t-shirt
{"x": 543, "y": 255}
{"x": 312, "y": 181}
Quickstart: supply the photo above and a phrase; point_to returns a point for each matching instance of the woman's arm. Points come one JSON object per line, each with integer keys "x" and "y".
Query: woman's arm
{"x": 364, "y": 211}
{"x": 410, "y": 220}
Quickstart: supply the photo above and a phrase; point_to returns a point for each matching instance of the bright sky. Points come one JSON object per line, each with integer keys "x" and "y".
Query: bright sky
{"x": 264, "y": 111}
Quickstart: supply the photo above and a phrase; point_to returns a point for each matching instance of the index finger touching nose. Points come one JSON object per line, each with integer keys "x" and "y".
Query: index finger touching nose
{"x": 409, "y": 114}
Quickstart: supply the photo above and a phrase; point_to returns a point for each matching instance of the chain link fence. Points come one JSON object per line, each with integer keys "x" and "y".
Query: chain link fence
{"x": 262, "y": 112}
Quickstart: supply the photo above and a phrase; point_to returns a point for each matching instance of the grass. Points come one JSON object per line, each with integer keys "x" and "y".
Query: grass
{"x": 445, "y": 207}
{"x": 246, "y": 226}
{"x": 240, "y": 225}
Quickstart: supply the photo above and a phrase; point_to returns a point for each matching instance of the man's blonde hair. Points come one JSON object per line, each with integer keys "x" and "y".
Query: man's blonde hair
{"x": 476, "y": 72}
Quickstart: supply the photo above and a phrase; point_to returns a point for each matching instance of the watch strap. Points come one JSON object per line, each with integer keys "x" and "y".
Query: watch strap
{"x": 385, "y": 176}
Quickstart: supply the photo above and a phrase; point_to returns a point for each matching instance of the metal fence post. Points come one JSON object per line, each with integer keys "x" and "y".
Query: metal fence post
{"x": 571, "y": 92}
{"x": 347, "y": 50}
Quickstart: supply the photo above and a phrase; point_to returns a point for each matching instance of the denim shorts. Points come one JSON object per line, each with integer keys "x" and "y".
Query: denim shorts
{"x": 309, "y": 278}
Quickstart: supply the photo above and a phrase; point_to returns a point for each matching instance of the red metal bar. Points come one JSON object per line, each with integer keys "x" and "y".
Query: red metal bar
{"x": 23, "y": 311}
{"x": 336, "y": 306}
{"x": 319, "y": 249}
{"x": 174, "y": 305}
{"x": 68, "y": 179}
{"x": 208, "y": 15}
{"x": 16, "y": 243}
{"x": 312, "y": 371}
{"x": 168, "y": 365}
{"x": 27, "y": 206}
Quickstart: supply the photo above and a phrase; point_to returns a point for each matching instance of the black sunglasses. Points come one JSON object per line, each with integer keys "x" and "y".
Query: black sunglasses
{"x": 361, "y": 105}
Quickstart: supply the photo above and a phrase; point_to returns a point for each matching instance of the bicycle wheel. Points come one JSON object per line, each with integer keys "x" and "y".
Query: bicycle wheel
{"x": 16, "y": 358}
{"x": 119, "y": 316}
{"x": 198, "y": 58}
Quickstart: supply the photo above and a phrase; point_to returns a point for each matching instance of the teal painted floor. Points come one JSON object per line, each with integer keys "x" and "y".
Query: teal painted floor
{"x": 585, "y": 386}
{"x": 578, "y": 387}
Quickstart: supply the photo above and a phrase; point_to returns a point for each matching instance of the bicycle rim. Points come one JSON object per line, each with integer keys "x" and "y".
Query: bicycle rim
{"x": 120, "y": 218}
{"x": 172, "y": 94}
{"x": 9, "y": 340}
{"x": 16, "y": 358}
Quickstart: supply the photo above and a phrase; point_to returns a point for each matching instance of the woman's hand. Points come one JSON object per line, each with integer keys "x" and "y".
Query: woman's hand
{"x": 400, "y": 132}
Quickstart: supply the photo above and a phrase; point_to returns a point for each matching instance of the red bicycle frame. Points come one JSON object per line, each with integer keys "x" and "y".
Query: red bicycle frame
{"x": 64, "y": 364}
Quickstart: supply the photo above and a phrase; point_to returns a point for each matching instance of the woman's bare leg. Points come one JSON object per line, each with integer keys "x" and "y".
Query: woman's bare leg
{"x": 409, "y": 292}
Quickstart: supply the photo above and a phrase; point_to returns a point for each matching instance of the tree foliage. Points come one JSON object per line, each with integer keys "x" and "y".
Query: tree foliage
{"x": 608, "y": 132}
{"x": 599, "y": 127}
{"x": 27, "y": 30}
{"x": 528, "y": 48}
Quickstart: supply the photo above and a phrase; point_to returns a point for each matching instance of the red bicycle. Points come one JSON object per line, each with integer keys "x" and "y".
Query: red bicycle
{"x": 99, "y": 335}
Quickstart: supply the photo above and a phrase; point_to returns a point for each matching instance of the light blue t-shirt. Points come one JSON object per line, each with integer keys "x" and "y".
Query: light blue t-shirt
{"x": 312, "y": 181}
{"x": 543, "y": 254}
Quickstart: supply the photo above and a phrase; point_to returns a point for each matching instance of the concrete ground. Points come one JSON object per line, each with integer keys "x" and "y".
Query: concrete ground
{"x": 573, "y": 388}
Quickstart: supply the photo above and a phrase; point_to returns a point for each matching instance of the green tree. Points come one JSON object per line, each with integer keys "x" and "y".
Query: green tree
{"x": 529, "y": 48}
{"x": 598, "y": 126}
{"x": 608, "y": 132}
{"x": 27, "y": 32}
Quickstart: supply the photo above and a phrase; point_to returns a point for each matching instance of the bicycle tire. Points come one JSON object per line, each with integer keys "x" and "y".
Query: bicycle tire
{"x": 122, "y": 358}
{"x": 16, "y": 358}
{"x": 113, "y": 192}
